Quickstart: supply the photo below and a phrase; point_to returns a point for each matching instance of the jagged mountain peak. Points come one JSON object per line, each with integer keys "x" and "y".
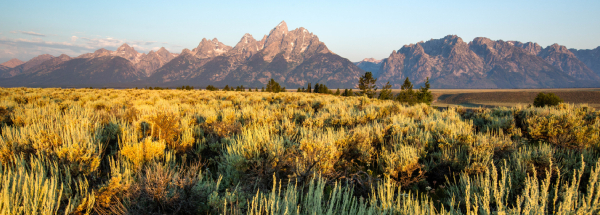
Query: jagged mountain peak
{"x": 530, "y": 47}
{"x": 64, "y": 57}
{"x": 282, "y": 26}
{"x": 12, "y": 63}
{"x": 124, "y": 47}
{"x": 210, "y": 48}
{"x": 371, "y": 60}
{"x": 101, "y": 52}
{"x": 444, "y": 46}
{"x": 186, "y": 52}
{"x": 41, "y": 57}
{"x": 162, "y": 50}
{"x": 558, "y": 48}
{"x": 276, "y": 35}
{"x": 247, "y": 37}
{"x": 129, "y": 53}
{"x": 371, "y": 65}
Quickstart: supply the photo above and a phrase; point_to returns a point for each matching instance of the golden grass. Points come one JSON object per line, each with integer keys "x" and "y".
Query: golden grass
{"x": 189, "y": 152}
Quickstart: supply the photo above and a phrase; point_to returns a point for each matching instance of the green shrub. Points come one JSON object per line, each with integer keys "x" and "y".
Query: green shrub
{"x": 549, "y": 99}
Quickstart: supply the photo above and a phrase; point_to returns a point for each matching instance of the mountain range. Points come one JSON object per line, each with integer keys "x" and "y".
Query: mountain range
{"x": 297, "y": 57}
{"x": 450, "y": 62}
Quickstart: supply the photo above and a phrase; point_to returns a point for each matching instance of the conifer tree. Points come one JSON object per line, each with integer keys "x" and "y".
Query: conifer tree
{"x": 367, "y": 86}
{"x": 406, "y": 94}
{"x": 424, "y": 94}
{"x": 386, "y": 92}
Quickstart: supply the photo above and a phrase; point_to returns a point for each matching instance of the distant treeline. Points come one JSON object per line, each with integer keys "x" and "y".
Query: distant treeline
{"x": 366, "y": 84}
{"x": 367, "y": 87}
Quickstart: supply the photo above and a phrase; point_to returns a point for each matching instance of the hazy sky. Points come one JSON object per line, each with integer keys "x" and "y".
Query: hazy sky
{"x": 352, "y": 29}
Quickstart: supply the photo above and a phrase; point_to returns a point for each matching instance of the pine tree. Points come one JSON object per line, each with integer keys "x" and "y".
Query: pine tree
{"x": 386, "y": 92}
{"x": 406, "y": 95}
{"x": 308, "y": 88}
{"x": 367, "y": 85}
{"x": 316, "y": 90}
{"x": 424, "y": 94}
{"x": 337, "y": 92}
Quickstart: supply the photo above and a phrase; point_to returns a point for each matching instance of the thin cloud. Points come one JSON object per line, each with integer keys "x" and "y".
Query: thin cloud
{"x": 32, "y": 33}
{"x": 27, "y": 48}
{"x": 26, "y": 43}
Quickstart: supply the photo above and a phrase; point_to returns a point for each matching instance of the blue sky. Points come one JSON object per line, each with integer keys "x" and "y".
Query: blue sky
{"x": 352, "y": 29}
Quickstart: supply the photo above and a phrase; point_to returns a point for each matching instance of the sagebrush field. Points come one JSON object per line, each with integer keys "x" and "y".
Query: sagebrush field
{"x": 80, "y": 151}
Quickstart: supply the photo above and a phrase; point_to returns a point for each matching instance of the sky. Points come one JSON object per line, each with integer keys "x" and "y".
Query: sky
{"x": 351, "y": 29}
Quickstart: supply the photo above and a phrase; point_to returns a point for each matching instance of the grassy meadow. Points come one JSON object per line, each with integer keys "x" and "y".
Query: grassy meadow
{"x": 93, "y": 151}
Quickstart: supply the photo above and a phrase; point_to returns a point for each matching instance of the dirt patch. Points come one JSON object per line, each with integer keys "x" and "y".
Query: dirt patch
{"x": 510, "y": 98}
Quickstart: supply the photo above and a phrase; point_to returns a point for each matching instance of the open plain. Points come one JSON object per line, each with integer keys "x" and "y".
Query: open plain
{"x": 510, "y": 97}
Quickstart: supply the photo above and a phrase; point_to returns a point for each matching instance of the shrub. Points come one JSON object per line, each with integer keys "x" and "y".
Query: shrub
{"x": 549, "y": 99}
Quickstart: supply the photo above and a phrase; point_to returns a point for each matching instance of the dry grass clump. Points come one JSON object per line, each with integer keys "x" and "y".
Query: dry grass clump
{"x": 205, "y": 152}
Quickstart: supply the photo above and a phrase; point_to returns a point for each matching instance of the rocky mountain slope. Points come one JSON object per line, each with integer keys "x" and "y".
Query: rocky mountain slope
{"x": 450, "y": 62}
{"x": 12, "y": 63}
{"x": 293, "y": 58}
{"x": 370, "y": 64}
{"x": 591, "y": 58}
{"x": 100, "y": 68}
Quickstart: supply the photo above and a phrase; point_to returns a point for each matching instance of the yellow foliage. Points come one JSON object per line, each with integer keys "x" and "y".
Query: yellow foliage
{"x": 144, "y": 151}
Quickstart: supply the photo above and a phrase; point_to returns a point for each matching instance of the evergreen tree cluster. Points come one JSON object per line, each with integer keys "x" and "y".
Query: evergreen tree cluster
{"x": 319, "y": 88}
{"x": 155, "y": 88}
{"x": 240, "y": 88}
{"x": 186, "y": 87}
{"x": 211, "y": 88}
{"x": 274, "y": 87}
{"x": 408, "y": 96}
{"x": 348, "y": 92}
